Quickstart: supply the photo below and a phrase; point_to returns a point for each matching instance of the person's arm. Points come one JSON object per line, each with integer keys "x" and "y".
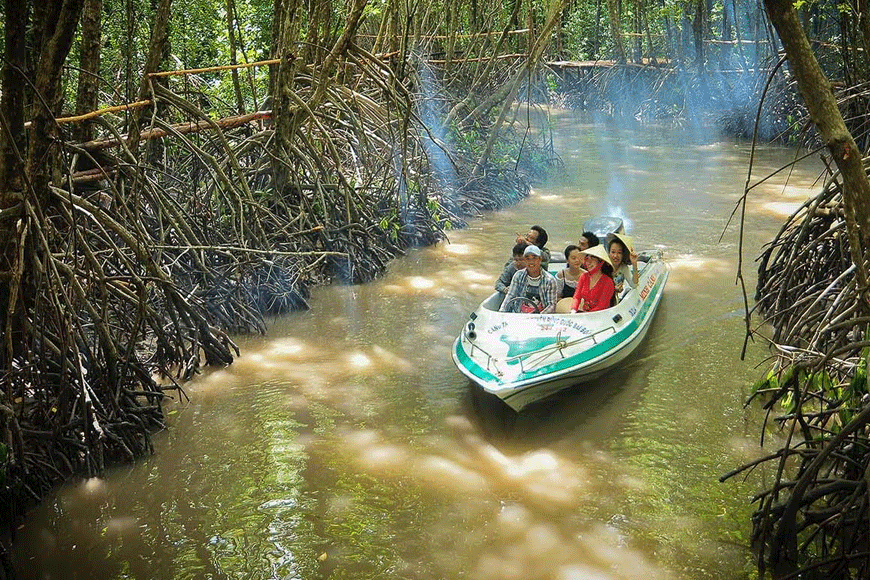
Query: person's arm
{"x": 545, "y": 259}
{"x": 575, "y": 305}
{"x": 635, "y": 276}
{"x": 504, "y": 280}
{"x": 560, "y": 281}
{"x": 549, "y": 294}
{"x": 513, "y": 291}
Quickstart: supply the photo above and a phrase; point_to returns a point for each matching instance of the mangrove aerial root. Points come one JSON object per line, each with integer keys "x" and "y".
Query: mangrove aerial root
{"x": 813, "y": 519}
{"x": 150, "y": 252}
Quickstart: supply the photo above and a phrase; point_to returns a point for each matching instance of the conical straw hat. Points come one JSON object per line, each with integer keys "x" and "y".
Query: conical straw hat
{"x": 623, "y": 238}
{"x": 599, "y": 252}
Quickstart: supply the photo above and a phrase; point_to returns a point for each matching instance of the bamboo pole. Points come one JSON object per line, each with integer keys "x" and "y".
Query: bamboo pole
{"x": 99, "y": 112}
{"x": 182, "y": 128}
{"x": 170, "y": 73}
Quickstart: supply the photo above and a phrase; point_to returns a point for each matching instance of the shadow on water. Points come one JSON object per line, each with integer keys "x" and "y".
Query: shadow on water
{"x": 568, "y": 411}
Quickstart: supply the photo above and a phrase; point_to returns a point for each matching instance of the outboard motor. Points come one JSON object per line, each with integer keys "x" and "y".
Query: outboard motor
{"x": 603, "y": 225}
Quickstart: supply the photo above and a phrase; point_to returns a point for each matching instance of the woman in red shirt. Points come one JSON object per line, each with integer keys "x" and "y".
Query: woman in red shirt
{"x": 595, "y": 287}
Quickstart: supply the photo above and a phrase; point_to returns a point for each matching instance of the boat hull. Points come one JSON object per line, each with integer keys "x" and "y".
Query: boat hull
{"x": 522, "y": 358}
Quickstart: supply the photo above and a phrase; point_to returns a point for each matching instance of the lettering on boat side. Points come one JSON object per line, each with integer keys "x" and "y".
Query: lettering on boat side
{"x": 496, "y": 327}
{"x": 547, "y": 322}
{"x": 645, "y": 292}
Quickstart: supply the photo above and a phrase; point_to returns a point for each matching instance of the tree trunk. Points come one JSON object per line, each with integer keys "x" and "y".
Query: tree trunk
{"x": 87, "y": 95}
{"x": 822, "y": 106}
{"x": 12, "y": 138}
{"x": 60, "y": 26}
{"x": 130, "y": 23}
{"x": 451, "y": 12}
{"x": 231, "y": 30}
{"x": 318, "y": 36}
{"x": 698, "y": 36}
{"x": 156, "y": 51}
{"x": 727, "y": 21}
{"x": 669, "y": 31}
{"x": 12, "y": 147}
{"x": 562, "y": 36}
{"x": 596, "y": 35}
{"x": 638, "y": 32}
{"x": 286, "y": 36}
{"x": 54, "y": 28}
{"x": 536, "y": 51}
{"x": 616, "y": 31}
{"x": 864, "y": 27}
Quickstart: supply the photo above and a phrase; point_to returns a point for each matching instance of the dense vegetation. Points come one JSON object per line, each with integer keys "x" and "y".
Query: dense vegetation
{"x": 811, "y": 521}
{"x": 173, "y": 171}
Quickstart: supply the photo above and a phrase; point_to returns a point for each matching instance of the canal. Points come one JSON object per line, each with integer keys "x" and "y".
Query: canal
{"x": 345, "y": 444}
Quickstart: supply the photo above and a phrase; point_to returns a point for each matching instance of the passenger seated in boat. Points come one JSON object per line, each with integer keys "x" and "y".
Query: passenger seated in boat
{"x": 532, "y": 289}
{"x": 511, "y": 268}
{"x": 537, "y": 236}
{"x": 595, "y": 286}
{"x": 566, "y": 278}
{"x": 621, "y": 252}
{"x": 587, "y": 240}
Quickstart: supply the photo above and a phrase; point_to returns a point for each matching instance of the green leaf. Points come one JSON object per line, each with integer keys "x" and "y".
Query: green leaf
{"x": 788, "y": 402}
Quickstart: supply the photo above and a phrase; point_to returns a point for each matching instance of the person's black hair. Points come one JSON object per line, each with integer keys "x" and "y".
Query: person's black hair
{"x": 606, "y": 269}
{"x": 568, "y": 249}
{"x": 591, "y": 238}
{"x": 542, "y": 236}
{"x": 626, "y": 255}
{"x": 519, "y": 248}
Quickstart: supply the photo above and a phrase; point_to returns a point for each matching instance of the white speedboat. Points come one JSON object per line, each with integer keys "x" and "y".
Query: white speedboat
{"x": 522, "y": 358}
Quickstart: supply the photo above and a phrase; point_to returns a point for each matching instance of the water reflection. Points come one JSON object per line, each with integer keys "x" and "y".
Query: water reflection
{"x": 345, "y": 443}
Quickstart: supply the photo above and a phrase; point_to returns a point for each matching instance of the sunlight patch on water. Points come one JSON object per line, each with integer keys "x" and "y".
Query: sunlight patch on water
{"x": 698, "y": 264}
{"x": 359, "y": 360}
{"x": 218, "y": 380}
{"x": 391, "y": 359}
{"x": 420, "y": 283}
{"x": 413, "y": 286}
{"x": 457, "y": 249}
{"x": 384, "y": 457}
{"x": 746, "y": 448}
{"x": 448, "y": 475}
{"x": 122, "y": 525}
{"x": 782, "y": 208}
{"x": 93, "y": 486}
{"x": 477, "y": 276}
{"x": 304, "y": 373}
{"x": 542, "y": 550}
{"x": 287, "y": 349}
{"x": 801, "y": 192}
{"x": 468, "y": 464}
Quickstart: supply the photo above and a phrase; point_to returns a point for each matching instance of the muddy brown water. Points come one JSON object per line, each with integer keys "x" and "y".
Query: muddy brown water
{"x": 345, "y": 444}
